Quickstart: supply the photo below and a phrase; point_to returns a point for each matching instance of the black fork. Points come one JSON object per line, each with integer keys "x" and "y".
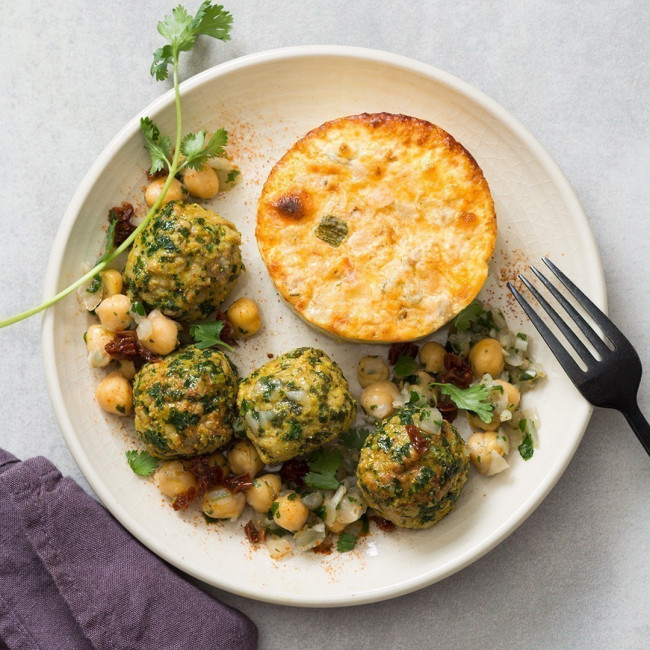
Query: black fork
{"x": 611, "y": 381}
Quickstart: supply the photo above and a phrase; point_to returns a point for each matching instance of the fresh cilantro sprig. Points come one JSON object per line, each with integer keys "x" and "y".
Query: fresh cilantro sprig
{"x": 141, "y": 462}
{"x": 323, "y": 465}
{"x": 207, "y": 335}
{"x": 474, "y": 398}
{"x": 180, "y": 30}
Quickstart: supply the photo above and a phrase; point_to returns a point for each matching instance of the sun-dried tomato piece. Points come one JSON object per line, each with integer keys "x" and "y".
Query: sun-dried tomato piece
{"x": 123, "y": 214}
{"x": 398, "y": 350}
{"x": 382, "y": 524}
{"x": 182, "y": 501}
{"x": 227, "y": 334}
{"x": 207, "y": 475}
{"x": 238, "y": 483}
{"x": 447, "y": 408}
{"x": 457, "y": 371}
{"x": 419, "y": 442}
{"x": 294, "y": 471}
{"x": 254, "y": 536}
{"x": 325, "y": 548}
{"x": 127, "y": 346}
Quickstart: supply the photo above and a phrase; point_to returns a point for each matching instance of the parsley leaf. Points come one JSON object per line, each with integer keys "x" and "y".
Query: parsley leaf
{"x": 463, "y": 321}
{"x": 405, "y": 366}
{"x": 141, "y": 462}
{"x": 197, "y": 153}
{"x": 232, "y": 175}
{"x": 159, "y": 147}
{"x": 323, "y": 465}
{"x": 347, "y": 541}
{"x": 472, "y": 399}
{"x": 354, "y": 438}
{"x": 208, "y": 335}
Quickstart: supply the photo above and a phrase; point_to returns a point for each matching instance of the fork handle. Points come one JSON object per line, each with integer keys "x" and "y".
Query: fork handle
{"x": 639, "y": 424}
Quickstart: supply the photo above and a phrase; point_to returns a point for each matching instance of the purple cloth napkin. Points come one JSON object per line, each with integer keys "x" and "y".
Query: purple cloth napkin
{"x": 72, "y": 578}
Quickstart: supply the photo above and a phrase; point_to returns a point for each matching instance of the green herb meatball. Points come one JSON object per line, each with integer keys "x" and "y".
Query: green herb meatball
{"x": 185, "y": 404}
{"x": 409, "y": 476}
{"x": 294, "y": 404}
{"x": 184, "y": 262}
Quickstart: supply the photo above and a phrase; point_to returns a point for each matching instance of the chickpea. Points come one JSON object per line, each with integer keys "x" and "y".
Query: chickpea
{"x": 244, "y": 316}
{"x": 112, "y": 282}
{"x": 244, "y": 459}
{"x": 377, "y": 399}
{"x": 217, "y": 459}
{"x": 126, "y": 368}
{"x": 432, "y": 356}
{"x": 202, "y": 183}
{"x": 291, "y": 513}
{"x": 113, "y": 312}
{"x": 161, "y": 333}
{"x": 175, "y": 191}
{"x": 486, "y": 357}
{"x": 114, "y": 394}
{"x": 476, "y": 423}
{"x": 512, "y": 395}
{"x": 372, "y": 369}
{"x": 97, "y": 338}
{"x": 221, "y": 503}
{"x": 481, "y": 445}
{"x": 264, "y": 492}
{"x": 172, "y": 479}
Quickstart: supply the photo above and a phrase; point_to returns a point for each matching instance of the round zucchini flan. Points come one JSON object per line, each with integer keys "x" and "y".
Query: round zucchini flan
{"x": 377, "y": 227}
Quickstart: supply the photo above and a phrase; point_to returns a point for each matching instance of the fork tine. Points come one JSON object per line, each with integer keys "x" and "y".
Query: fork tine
{"x": 585, "y": 328}
{"x": 611, "y": 331}
{"x": 566, "y": 360}
{"x": 569, "y": 334}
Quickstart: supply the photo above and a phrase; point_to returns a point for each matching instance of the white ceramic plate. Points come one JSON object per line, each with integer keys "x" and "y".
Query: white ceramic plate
{"x": 267, "y": 101}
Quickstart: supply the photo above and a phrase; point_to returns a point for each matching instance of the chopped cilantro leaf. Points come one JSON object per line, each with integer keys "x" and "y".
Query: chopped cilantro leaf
{"x": 464, "y": 320}
{"x": 141, "y": 462}
{"x": 405, "y": 366}
{"x": 354, "y": 438}
{"x": 232, "y": 175}
{"x": 323, "y": 465}
{"x": 526, "y": 447}
{"x": 472, "y": 399}
{"x": 208, "y": 335}
{"x": 346, "y": 542}
{"x": 138, "y": 308}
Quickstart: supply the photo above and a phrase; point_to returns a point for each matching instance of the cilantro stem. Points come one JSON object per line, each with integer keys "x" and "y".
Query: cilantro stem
{"x": 120, "y": 249}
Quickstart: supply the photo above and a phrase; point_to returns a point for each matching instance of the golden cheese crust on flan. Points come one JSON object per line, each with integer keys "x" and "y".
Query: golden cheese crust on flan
{"x": 377, "y": 227}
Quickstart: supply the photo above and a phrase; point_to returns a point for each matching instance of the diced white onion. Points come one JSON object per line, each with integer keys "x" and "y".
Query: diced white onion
{"x": 278, "y": 547}
{"x": 313, "y": 500}
{"x": 265, "y": 418}
{"x": 144, "y": 329}
{"x": 308, "y": 538}
{"x": 252, "y": 422}
{"x": 521, "y": 345}
{"x": 497, "y": 464}
{"x": 513, "y": 359}
{"x": 299, "y": 397}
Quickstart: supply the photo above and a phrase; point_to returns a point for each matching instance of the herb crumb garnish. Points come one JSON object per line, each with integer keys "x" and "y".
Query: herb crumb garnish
{"x": 331, "y": 230}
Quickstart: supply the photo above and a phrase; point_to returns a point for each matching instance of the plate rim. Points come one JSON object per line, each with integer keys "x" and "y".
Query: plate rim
{"x": 505, "y": 119}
